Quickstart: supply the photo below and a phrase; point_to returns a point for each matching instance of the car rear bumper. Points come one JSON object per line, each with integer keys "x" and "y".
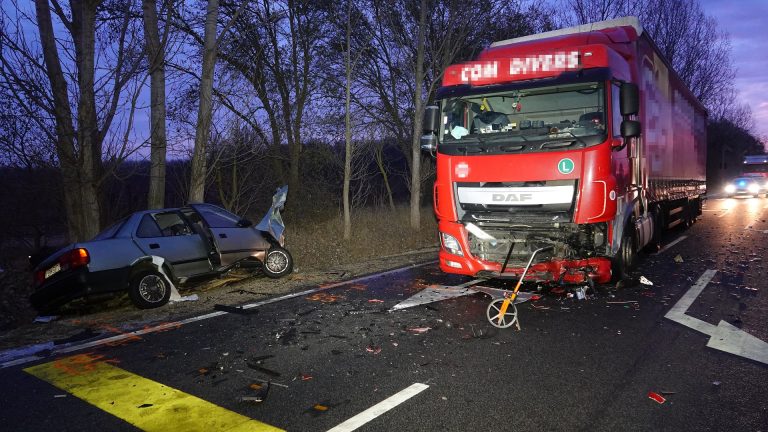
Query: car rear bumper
{"x": 68, "y": 286}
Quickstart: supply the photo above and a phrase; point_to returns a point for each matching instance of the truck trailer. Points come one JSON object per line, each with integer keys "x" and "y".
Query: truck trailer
{"x": 581, "y": 142}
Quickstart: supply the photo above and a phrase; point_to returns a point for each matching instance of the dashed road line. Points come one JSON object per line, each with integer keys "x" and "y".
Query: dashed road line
{"x": 676, "y": 241}
{"x": 146, "y": 404}
{"x": 728, "y": 210}
{"x": 171, "y": 325}
{"x": 380, "y": 408}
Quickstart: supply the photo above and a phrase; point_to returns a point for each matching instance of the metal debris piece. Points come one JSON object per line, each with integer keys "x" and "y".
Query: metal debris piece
{"x": 645, "y": 281}
{"x": 46, "y": 319}
{"x": 656, "y": 397}
{"x": 260, "y": 368}
{"x": 419, "y": 330}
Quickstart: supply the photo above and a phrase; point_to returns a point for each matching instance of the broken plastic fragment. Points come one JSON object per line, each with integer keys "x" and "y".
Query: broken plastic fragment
{"x": 419, "y": 330}
{"x": 678, "y": 259}
{"x": 375, "y": 301}
{"x": 46, "y": 319}
{"x": 645, "y": 281}
{"x": 656, "y": 397}
{"x": 319, "y": 407}
{"x": 373, "y": 349}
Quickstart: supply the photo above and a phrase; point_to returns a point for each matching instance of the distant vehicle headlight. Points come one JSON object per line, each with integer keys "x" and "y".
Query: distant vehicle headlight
{"x": 730, "y": 188}
{"x": 451, "y": 244}
{"x": 753, "y": 188}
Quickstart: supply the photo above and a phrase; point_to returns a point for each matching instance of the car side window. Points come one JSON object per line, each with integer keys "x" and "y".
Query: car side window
{"x": 217, "y": 217}
{"x": 171, "y": 224}
{"x": 148, "y": 228}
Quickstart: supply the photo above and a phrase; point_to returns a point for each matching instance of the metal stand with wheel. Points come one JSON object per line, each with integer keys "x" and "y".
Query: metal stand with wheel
{"x": 498, "y": 312}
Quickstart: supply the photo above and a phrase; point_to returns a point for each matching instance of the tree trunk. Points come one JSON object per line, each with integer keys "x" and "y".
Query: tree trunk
{"x": 158, "y": 141}
{"x": 417, "y": 122}
{"x": 197, "y": 179}
{"x": 348, "y": 125}
{"x": 79, "y": 168}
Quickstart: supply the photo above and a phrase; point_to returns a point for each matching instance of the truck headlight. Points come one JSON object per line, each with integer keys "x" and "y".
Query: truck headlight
{"x": 753, "y": 188}
{"x": 450, "y": 244}
{"x": 730, "y": 188}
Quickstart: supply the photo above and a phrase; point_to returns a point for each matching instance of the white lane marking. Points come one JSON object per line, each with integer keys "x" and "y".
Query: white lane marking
{"x": 724, "y": 336}
{"x": 676, "y": 241}
{"x": 728, "y": 210}
{"x": 171, "y": 325}
{"x": 380, "y": 408}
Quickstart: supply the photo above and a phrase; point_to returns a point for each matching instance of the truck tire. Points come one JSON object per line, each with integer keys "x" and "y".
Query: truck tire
{"x": 149, "y": 289}
{"x": 626, "y": 258}
{"x": 278, "y": 262}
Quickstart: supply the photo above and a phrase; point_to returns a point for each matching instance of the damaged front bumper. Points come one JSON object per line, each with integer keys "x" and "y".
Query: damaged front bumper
{"x": 484, "y": 254}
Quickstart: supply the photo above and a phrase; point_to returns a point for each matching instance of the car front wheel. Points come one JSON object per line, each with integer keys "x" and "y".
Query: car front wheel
{"x": 149, "y": 289}
{"x": 278, "y": 262}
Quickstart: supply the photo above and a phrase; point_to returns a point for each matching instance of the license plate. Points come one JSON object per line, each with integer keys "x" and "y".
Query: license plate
{"x": 53, "y": 270}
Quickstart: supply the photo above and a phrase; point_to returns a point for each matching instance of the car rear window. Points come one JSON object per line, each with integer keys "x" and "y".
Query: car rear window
{"x": 111, "y": 231}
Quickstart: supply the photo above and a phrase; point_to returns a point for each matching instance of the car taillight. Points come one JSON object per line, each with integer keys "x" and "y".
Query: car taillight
{"x": 75, "y": 258}
{"x": 39, "y": 277}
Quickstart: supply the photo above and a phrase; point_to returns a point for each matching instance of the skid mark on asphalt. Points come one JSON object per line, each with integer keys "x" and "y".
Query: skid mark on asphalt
{"x": 146, "y": 404}
{"x": 380, "y": 408}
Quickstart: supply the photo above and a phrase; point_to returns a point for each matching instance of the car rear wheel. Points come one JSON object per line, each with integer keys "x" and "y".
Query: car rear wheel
{"x": 149, "y": 289}
{"x": 278, "y": 262}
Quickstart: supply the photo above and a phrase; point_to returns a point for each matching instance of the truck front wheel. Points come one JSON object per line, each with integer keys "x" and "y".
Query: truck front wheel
{"x": 626, "y": 258}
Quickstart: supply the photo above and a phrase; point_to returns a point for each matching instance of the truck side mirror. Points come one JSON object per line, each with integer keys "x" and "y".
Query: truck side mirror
{"x": 431, "y": 126}
{"x": 428, "y": 143}
{"x": 431, "y": 119}
{"x": 630, "y": 99}
{"x": 630, "y": 128}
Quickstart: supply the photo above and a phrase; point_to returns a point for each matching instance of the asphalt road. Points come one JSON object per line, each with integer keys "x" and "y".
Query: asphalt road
{"x": 332, "y": 355}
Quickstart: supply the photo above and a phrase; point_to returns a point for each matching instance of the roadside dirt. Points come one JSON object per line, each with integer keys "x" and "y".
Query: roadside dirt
{"x": 237, "y": 287}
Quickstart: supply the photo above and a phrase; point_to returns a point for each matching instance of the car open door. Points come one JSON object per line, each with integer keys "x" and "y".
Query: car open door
{"x": 168, "y": 235}
{"x": 233, "y": 237}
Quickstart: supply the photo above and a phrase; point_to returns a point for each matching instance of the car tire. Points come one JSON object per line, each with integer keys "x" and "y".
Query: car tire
{"x": 149, "y": 289}
{"x": 277, "y": 263}
{"x": 626, "y": 258}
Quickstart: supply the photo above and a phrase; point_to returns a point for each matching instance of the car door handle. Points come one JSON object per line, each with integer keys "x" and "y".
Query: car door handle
{"x": 154, "y": 246}
{"x": 222, "y": 235}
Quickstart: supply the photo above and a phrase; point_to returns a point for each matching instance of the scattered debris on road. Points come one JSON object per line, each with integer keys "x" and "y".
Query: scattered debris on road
{"x": 656, "y": 397}
{"x": 235, "y": 309}
{"x": 645, "y": 281}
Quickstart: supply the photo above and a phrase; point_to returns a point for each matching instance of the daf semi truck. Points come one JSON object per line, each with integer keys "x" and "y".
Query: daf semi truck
{"x": 581, "y": 142}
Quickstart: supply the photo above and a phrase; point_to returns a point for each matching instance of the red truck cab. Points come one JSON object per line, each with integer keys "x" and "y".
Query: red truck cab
{"x": 581, "y": 140}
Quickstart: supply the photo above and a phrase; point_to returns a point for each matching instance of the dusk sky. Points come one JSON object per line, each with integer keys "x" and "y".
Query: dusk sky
{"x": 747, "y": 23}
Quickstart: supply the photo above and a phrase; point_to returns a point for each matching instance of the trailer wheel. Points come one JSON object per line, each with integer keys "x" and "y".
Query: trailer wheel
{"x": 626, "y": 258}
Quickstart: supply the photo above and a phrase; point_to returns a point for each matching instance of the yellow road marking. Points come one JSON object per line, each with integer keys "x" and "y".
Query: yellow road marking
{"x": 122, "y": 394}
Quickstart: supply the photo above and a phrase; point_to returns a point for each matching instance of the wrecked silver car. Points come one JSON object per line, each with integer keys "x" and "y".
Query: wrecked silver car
{"x": 150, "y": 251}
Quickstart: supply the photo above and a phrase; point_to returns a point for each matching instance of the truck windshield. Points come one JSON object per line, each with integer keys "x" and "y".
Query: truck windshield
{"x": 569, "y": 112}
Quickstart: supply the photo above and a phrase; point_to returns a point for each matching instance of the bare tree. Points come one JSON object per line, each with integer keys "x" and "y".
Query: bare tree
{"x": 698, "y": 51}
{"x": 202, "y": 132}
{"x": 155, "y": 48}
{"x": 80, "y": 103}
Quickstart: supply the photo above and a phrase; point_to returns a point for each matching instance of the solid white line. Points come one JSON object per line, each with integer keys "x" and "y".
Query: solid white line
{"x": 682, "y": 305}
{"x": 380, "y": 408}
{"x": 170, "y": 325}
{"x": 677, "y": 240}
